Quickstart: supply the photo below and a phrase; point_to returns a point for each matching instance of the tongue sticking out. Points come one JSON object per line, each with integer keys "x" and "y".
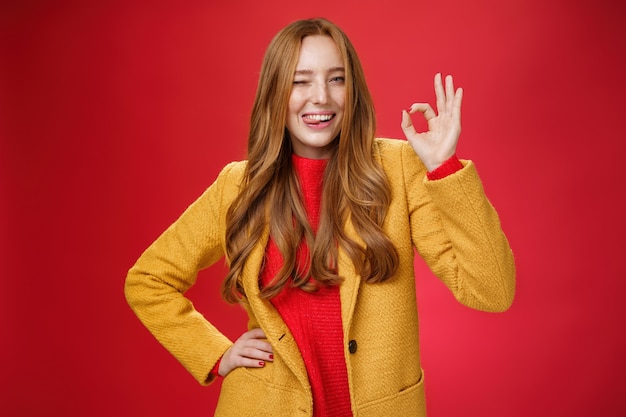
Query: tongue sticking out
{"x": 312, "y": 120}
{"x": 316, "y": 119}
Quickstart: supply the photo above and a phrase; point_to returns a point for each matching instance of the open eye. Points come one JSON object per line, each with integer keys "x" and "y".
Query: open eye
{"x": 338, "y": 79}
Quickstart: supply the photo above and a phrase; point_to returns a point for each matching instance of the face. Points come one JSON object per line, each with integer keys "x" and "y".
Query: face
{"x": 317, "y": 98}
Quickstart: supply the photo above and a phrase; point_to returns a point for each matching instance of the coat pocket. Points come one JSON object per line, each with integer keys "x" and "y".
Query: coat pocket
{"x": 245, "y": 392}
{"x": 409, "y": 401}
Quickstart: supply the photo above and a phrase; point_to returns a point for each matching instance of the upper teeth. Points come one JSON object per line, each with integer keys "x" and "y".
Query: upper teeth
{"x": 320, "y": 117}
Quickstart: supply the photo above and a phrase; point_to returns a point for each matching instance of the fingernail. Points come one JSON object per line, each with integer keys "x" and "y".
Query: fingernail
{"x": 261, "y": 363}
{"x": 272, "y": 357}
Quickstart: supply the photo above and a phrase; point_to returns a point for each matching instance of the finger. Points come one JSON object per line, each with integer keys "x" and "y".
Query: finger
{"x": 245, "y": 362}
{"x": 407, "y": 123}
{"x": 458, "y": 99}
{"x": 424, "y": 108}
{"x": 256, "y": 333}
{"x": 253, "y": 353}
{"x": 440, "y": 94}
{"x": 256, "y": 344}
{"x": 449, "y": 93}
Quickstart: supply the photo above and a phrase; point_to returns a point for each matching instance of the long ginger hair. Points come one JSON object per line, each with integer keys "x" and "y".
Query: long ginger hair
{"x": 354, "y": 186}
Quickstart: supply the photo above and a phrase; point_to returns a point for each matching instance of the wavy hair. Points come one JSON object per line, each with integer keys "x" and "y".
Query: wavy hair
{"x": 355, "y": 188}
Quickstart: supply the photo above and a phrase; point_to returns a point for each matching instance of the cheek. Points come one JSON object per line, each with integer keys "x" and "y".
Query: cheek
{"x": 341, "y": 108}
{"x": 340, "y": 100}
{"x": 294, "y": 106}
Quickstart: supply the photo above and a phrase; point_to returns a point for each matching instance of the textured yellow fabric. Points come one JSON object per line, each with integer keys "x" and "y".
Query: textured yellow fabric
{"x": 449, "y": 221}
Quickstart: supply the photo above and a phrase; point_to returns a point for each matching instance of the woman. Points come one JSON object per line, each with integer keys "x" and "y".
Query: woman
{"x": 319, "y": 228}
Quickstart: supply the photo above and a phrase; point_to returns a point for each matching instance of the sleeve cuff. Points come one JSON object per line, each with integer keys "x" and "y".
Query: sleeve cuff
{"x": 449, "y": 167}
{"x": 216, "y": 368}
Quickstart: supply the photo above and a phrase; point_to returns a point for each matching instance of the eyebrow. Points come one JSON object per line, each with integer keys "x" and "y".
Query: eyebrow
{"x": 308, "y": 71}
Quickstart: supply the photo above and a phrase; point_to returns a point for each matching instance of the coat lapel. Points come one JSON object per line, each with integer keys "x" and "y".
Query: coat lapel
{"x": 349, "y": 289}
{"x": 269, "y": 319}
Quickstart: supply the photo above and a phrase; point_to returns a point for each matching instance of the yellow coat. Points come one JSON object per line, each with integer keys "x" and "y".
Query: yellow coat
{"x": 450, "y": 223}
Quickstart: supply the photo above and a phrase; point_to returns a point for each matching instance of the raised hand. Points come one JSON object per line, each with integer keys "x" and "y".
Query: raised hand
{"x": 250, "y": 351}
{"x": 438, "y": 144}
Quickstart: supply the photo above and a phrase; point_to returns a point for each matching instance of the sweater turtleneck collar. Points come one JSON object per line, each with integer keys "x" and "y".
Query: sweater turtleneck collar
{"x": 309, "y": 167}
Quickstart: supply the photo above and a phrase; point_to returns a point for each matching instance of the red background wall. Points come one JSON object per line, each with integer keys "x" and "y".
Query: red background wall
{"x": 114, "y": 117}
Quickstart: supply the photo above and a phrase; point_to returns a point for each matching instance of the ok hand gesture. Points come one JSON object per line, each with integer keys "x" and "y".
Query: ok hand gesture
{"x": 438, "y": 144}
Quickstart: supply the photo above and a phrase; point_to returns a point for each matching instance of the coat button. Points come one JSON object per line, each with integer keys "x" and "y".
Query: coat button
{"x": 352, "y": 346}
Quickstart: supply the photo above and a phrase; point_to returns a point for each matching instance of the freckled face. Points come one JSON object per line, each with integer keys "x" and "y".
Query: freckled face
{"x": 317, "y": 100}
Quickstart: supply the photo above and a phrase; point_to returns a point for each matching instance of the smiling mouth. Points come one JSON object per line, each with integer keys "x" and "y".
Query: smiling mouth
{"x": 314, "y": 119}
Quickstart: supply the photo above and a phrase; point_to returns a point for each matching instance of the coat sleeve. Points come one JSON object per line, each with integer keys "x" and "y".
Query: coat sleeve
{"x": 155, "y": 285}
{"x": 458, "y": 233}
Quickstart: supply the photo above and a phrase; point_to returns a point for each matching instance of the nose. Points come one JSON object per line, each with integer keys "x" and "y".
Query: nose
{"x": 319, "y": 93}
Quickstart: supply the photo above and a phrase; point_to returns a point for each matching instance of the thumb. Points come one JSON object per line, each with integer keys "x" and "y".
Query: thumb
{"x": 407, "y": 124}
